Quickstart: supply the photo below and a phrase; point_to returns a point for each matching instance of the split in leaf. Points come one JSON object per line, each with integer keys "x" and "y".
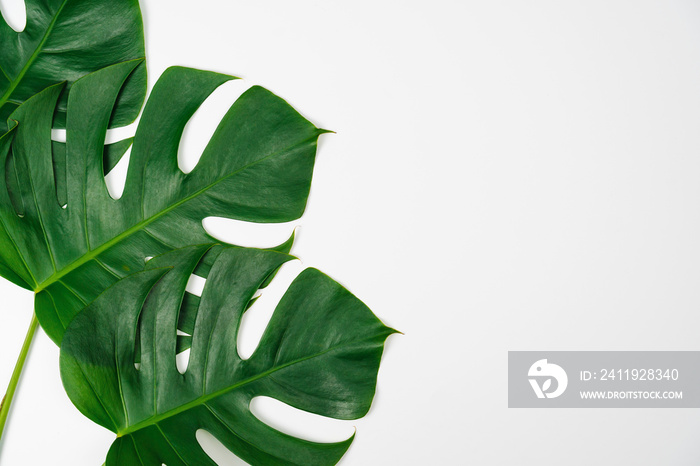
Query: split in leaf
{"x": 320, "y": 353}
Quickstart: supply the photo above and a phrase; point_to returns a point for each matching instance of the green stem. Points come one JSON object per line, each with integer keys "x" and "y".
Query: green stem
{"x": 7, "y": 401}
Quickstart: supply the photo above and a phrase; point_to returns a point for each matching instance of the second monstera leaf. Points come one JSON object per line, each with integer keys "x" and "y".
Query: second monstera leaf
{"x": 320, "y": 353}
{"x": 64, "y": 40}
{"x": 63, "y": 235}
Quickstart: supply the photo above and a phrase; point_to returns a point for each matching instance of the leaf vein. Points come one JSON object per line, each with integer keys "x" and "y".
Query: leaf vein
{"x": 171, "y": 444}
{"x": 92, "y": 388}
{"x": 136, "y": 449}
{"x": 73, "y": 292}
{"x": 205, "y": 398}
{"x": 139, "y": 226}
{"x": 53, "y": 302}
{"x": 41, "y": 220}
{"x": 119, "y": 374}
{"x": 15, "y": 82}
{"x": 110, "y": 271}
{"x": 21, "y": 256}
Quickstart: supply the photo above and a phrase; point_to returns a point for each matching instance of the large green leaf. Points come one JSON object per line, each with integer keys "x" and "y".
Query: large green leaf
{"x": 320, "y": 353}
{"x": 63, "y": 236}
{"x": 63, "y": 41}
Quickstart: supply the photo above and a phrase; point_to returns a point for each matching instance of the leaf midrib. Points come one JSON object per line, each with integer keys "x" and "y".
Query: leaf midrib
{"x": 202, "y": 400}
{"x": 15, "y": 82}
{"x": 92, "y": 254}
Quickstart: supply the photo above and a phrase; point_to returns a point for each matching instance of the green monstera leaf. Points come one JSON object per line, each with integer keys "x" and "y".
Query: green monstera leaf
{"x": 320, "y": 353}
{"x": 65, "y": 40}
{"x": 63, "y": 235}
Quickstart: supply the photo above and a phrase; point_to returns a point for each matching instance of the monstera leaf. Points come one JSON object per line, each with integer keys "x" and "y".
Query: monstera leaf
{"x": 64, "y": 40}
{"x": 320, "y": 353}
{"x": 63, "y": 235}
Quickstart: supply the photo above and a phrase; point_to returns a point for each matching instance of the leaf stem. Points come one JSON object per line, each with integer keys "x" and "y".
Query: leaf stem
{"x": 7, "y": 400}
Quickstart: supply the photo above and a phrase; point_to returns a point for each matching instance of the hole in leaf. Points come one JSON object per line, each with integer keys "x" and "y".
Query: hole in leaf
{"x": 195, "y": 285}
{"x": 298, "y": 423}
{"x": 58, "y": 135}
{"x": 116, "y": 179}
{"x": 182, "y": 360}
{"x": 117, "y": 134}
{"x": 147, "y": 258}
{"x": 204, "y": 122}
{"x": 248, "y": 234}
{"x": 217, "y": 451}
{"x": 15, "y": 14}
{"x": 256, "y": 318}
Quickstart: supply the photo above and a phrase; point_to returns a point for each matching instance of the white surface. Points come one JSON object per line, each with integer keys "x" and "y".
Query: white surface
{"x": 506, "y": 175}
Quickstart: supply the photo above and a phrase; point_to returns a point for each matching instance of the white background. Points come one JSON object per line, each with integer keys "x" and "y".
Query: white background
{"x": 506, "y": 175}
